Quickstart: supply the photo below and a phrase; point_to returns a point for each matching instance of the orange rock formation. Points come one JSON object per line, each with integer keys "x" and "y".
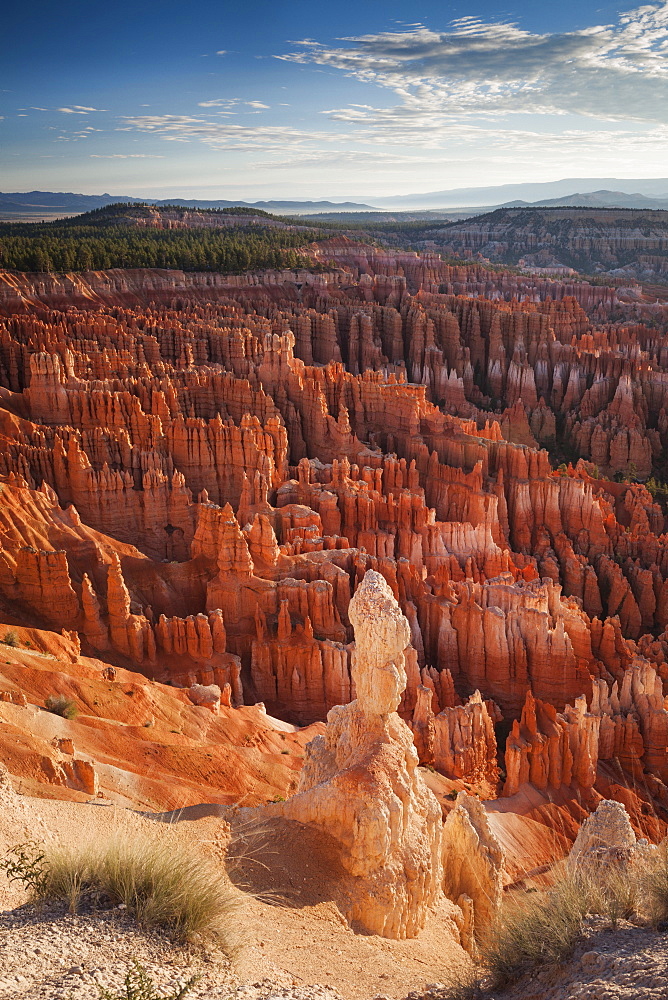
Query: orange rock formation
{"x": 198, "y": 471}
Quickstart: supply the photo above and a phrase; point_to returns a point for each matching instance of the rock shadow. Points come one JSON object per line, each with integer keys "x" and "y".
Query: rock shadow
{"x": 287, "y": 864}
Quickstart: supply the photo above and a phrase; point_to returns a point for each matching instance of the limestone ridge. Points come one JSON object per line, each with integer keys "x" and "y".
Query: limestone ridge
{"x": 360, "y": 782}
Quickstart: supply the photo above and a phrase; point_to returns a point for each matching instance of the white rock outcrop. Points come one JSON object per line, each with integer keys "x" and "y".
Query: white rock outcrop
{"x": 206, "y": 695}
{"x": 606, "y": 837}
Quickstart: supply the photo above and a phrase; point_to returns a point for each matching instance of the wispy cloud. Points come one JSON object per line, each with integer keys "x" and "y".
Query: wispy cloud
{"x": 222, "y": 135}
{"x": 125, "y": 156}
{"x": 231, "y": 102}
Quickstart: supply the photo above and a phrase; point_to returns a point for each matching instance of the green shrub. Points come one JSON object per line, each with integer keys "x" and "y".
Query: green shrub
{"x": 11, "y": 638}
{"x": 25, "y": 863}
{"x": 61, "y": 705}
{"x": 138, "y": 985}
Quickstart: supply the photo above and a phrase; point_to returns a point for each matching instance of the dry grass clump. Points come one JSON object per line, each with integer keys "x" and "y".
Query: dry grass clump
{"x": 162, "y": 881}
{"x": 61, "y": 705}
{"x": 613, "y": 890}
{"x": 653, "y": 886}
{"x": 536, "y": 929}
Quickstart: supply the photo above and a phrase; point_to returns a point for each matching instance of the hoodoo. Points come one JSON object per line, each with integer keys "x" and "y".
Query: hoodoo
{"x": 361, "y": 784}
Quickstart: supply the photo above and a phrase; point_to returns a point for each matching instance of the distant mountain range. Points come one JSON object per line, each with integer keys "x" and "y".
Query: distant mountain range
{"x": 594, "y": 192}
{"x": 612, "y": 188}
{"x": 594, "y": 199}
{"x": 42, "y": 203}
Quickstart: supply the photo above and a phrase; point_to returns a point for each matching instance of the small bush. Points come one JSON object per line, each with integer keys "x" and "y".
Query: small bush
{"x": 161, "y": 881}
{"x": 138, "y": 985}
{"x": 11, "y": 638}
{"x": 25, "y": 863}
{"x": 61, "y": 705}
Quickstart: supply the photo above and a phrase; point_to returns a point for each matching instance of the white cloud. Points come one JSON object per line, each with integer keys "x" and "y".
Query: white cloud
{"x": 124, "y": 156}
{"x": 222, "y": 134}
{"x": 614, "y": 72}
{"x": 231, "y": 102}
{"x": 221, "y": 52}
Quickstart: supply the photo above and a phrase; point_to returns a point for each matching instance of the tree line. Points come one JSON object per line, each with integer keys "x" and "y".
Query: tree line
{"x": 63, "y": 246}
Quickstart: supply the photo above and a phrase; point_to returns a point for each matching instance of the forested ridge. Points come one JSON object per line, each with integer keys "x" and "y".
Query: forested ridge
{"x": 99, "y": 240}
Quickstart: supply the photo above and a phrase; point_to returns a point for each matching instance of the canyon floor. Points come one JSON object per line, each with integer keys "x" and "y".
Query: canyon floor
{"x": 287, "y": 938}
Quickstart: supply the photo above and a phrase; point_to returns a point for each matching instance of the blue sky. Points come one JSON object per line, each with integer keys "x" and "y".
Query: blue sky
{"x": 340, "y": 99}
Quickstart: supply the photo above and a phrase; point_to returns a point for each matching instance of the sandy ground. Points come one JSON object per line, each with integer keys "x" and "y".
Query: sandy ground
{"x": 286, "y": 939}
{"x": 287, "y": 933}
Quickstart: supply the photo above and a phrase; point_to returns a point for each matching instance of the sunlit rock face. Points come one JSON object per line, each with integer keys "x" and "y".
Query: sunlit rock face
{"x": 473, "y": 870}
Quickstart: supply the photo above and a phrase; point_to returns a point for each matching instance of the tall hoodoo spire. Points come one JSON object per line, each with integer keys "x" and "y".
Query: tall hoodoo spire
{"x": 361, "y": 784}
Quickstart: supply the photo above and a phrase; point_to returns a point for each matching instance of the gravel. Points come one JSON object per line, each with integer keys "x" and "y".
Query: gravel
{"x": 49, "y": 954}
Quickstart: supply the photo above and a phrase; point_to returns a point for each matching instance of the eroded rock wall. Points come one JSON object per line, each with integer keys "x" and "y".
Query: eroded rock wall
{"x": 198, "y": 471}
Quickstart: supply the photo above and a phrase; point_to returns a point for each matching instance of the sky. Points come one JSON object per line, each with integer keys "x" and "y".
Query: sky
{"x": 344, "y": 99}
